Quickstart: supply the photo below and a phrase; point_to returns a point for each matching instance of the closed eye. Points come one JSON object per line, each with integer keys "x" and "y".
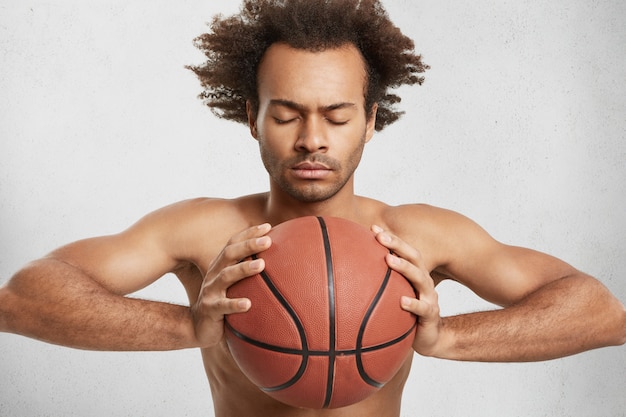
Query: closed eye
{"x": 281, "y": 121}
{"x": 337, "y": 122}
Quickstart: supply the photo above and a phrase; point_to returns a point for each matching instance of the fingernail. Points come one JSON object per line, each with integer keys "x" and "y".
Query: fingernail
{"x": 256, "y": 264}
{"x": 384, "y": 238}
{"x": 405, "y": 301}
{"x": 376, "y": 229}
{"x": 263, "y": 241}
{"x": 243, "y": 304}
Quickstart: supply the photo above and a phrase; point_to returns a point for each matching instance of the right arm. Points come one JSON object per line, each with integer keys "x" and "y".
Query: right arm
{"x": 53, "y": 301}
{"x": 76, "y": 295}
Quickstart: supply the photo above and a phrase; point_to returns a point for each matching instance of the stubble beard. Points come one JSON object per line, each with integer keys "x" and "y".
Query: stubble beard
{"x": 312, "y": 191}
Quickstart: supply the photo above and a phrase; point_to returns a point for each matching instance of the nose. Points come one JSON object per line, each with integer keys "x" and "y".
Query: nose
{"x": 312, "y": 136}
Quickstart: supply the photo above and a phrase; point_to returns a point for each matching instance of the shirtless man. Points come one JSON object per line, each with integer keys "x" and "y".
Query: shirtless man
{"x": 314, "y": 102}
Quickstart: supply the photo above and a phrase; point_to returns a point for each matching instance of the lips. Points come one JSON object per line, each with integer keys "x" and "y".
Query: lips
{"x": 308, "y": 165}
{"x": 311, "y": 170}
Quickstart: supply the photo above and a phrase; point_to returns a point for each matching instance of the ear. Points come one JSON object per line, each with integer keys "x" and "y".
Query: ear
{"x": 370, "y": 126}
{"x": 251, "y": 119}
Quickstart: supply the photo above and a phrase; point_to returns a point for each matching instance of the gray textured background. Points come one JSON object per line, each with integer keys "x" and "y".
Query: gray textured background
{"x": 520, "y": 125}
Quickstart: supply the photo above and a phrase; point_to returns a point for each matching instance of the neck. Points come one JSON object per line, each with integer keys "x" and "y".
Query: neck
{"x": 281, "y": 207}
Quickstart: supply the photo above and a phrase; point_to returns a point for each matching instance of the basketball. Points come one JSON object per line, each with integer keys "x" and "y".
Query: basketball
{"x": 325, "y": 329}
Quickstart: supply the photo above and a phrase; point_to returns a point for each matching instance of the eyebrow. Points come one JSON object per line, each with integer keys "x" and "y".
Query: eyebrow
{"x": 300, "y": 107}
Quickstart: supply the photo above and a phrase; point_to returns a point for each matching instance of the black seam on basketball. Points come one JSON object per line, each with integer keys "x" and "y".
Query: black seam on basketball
{"x": 266, "y": 346}
{"x": 331, "y": 313}
{"x": 305, "y": 348}
{"x": 291, "y": 351}
{"x": 391, "y": 342}
{"x": 332, "y": 353}
{"x": 359, "y": 341}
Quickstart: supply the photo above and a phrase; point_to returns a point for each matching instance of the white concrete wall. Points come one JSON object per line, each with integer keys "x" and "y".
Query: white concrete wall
{"x": 520, "y": 125}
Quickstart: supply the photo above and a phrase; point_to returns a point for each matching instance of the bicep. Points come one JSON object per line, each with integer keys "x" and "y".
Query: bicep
{"x": 508, "y": 273}
{"x": 499, "y": 273}
{"x": 122, "y": 263}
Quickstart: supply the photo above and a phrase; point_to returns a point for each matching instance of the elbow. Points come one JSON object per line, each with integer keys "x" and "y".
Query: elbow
{"x": 622, "y": 340}
{"x": 609, "y": 315}
{"x": 16, "y": 297}
{"x": 616, "y": 324}
{"x": 6, "y": 309}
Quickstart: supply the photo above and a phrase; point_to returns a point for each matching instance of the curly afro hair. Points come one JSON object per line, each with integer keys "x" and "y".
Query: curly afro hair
{"x": 235, "y": 46}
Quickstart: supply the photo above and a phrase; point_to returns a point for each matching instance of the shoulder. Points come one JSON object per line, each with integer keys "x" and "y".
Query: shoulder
{"x": 411, "y": 220}
{"x": 210, "y": 211}
{"x": 198, "y": 208}
{"x": 207, "y": 223}
{"x": 442, "y": 236}
{"x": 170, "y": 239}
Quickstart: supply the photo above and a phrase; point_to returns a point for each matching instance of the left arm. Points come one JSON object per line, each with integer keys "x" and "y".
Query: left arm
{"x": 564, "y": 317}
{"x": 551, "y": 309}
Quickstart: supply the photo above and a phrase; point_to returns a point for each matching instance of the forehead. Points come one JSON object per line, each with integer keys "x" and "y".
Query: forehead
{"x": 319, "y": 78}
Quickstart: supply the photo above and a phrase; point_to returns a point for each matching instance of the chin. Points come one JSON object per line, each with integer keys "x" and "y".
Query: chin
{"x": 311, "y": 194}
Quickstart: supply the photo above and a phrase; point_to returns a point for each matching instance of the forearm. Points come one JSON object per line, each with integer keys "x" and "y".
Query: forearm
{"x": 565, "y": 317}
{"x": 54, "y": 302}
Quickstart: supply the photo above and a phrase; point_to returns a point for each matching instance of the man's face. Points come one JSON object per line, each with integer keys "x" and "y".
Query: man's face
{"x": 311, "y": 123}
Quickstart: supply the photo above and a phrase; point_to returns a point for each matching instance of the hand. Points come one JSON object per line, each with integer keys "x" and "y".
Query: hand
{"x": 228, "y": 268}
{"x": 408, "y": 261}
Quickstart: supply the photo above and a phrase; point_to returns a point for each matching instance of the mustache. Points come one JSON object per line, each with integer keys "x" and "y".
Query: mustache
{"x": 315, "y": 159}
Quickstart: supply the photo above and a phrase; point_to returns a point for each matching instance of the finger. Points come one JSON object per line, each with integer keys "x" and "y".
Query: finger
{"x": 233, "y": 305}
{"x": 213, "y": 300}
{"x": 426, "y": 311}
{"x": 235, "y": 273}
{"x": 236, "y": 252}
{"x": 396, "y": 245}
{"x": 244, "y": 244}
{"x": 251, "y": 233}
{"x": 419, "y": 277}
{"x": 216, "y": 309}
